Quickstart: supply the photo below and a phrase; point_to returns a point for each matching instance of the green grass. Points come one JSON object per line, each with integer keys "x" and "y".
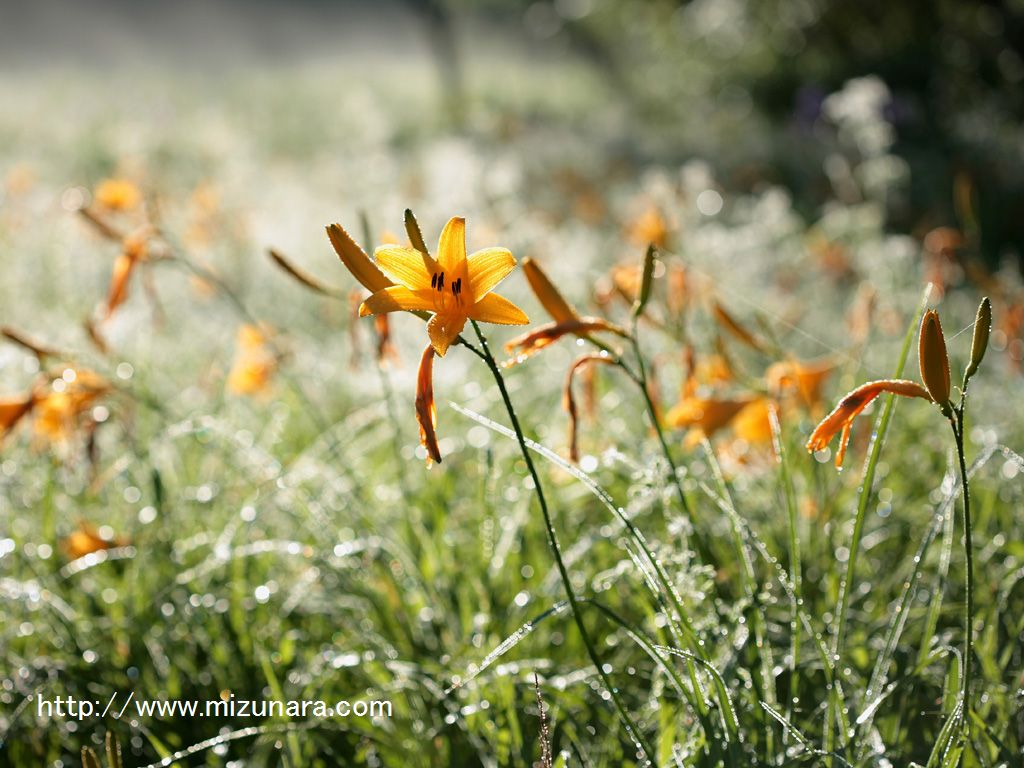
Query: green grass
{"x": 296, "y": 547}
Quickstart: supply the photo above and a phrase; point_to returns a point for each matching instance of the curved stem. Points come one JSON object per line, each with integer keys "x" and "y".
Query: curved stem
{"x": 631, "y": 728}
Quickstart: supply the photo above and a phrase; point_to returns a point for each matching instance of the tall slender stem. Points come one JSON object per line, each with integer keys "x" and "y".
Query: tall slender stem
{"x": 641, "y": 380}
{"x": 634, "y": 733}
{"x": 958, "y": 434}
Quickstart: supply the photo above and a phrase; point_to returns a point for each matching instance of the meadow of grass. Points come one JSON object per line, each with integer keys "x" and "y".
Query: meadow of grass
{"x": 288, "y": 541}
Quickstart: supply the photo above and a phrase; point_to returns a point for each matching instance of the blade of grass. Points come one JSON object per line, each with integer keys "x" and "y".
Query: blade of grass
{"x": 874, "y": 454}
{"x": 795, "y": 570}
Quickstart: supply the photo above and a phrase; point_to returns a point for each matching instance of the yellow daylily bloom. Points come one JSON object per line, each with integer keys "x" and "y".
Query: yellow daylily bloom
{"x": 454, "y": 287}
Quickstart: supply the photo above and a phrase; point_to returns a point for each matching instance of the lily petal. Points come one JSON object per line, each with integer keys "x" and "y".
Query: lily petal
{"x": 547, "y": 294}
{"x": 395, "y": 298}
{"x": 487, "y": 268}
{"x": 493, "y": 308}
{"x": 355, "y": 259}
{"x": 443, "y": 329}
{"x": 118, "y": 293}
{"x": 451, "y": 249}
{"x": 406, "y": 266}
{"x": 12, "y": 411}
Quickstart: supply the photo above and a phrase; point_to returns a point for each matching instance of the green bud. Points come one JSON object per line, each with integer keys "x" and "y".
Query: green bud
{"x": 646, "y": 280}
{"x": 982, "y": 328}
{"x": 412, "y": 229}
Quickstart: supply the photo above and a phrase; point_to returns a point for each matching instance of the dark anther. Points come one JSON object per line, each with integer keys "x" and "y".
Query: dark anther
{"x": 433, "y": 280}
{"x": 440, "y": 282}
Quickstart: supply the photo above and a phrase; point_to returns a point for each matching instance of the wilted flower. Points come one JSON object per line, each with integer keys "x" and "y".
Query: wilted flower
{"x": 840, "y": 420}
{"x": 585, "y": 362}
{"x": 567, "y": 321}
{"x": 426, "y": 411}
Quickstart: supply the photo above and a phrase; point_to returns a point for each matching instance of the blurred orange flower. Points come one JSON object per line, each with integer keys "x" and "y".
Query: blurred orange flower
{"x": 254, "y": 365}
{"x": 649, "y": 228}
{"x": 805, "y": 379}
{"x": 704, "y": 416}
{"x": 86, "y": 539}
{"x": 62, "y": 410}
{"x": 117, "y": 195}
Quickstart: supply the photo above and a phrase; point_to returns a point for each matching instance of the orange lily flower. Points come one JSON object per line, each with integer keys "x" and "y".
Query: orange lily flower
{"x": 840, "y": 420}
{"x": 454, "y": 287}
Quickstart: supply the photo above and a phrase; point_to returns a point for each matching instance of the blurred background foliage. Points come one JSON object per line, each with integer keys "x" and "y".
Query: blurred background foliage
{"x": 709, "y": 77}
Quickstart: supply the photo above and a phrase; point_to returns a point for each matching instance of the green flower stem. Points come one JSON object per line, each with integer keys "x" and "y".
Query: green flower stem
{"x": 958, "y": 434}
{"x": 631, "y": 728}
